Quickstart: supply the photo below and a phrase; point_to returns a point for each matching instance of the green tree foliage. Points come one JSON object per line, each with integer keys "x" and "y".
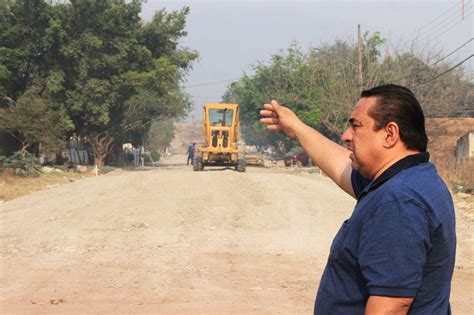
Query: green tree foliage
{"x": 31, "y": 84}
{"x": 35, "y": 119}
{"x": 104, "y": 72}
{"x": 24, "y": 47}
{"x": 321, "y": 86}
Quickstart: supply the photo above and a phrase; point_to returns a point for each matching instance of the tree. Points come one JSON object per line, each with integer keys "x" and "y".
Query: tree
{"x": 125, "y": 74}
{"x": 24, "y": 46}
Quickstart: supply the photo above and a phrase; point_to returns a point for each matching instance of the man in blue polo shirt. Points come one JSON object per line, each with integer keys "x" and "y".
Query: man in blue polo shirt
{"x": 395, "y": 254}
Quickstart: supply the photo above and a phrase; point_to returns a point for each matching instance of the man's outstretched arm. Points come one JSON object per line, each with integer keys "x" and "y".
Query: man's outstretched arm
{"x": 332, "y": 158}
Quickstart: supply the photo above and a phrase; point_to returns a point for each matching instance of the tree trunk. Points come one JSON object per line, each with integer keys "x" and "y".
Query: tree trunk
{"x": 99, "y": 159}
{"x": 102, "y": 146}
{"x": 24, "y": 148}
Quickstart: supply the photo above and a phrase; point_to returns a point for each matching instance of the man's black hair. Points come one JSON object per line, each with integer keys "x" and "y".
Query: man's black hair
{"x": 398, "y": 104}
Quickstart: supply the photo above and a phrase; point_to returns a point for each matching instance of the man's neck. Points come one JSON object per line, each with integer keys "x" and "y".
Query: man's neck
{"x": 390, "y": 160}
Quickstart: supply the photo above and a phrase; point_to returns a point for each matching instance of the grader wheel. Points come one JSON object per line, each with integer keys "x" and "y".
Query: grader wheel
{"x": 240, "y": 167}
{"x": 197, "y": 165}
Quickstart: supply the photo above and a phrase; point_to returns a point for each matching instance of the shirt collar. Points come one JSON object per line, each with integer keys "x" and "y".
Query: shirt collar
{"x": 403, "y": 164}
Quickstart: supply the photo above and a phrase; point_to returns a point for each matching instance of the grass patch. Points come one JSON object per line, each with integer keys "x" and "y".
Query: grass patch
{"x": 12, "y": 187}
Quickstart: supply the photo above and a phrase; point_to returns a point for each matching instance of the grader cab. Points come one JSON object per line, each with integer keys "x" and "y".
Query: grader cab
{"x": 221, "y": 124}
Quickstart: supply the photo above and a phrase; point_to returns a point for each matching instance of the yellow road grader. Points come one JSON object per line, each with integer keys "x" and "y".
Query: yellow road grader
{"x": 221, "y": 133}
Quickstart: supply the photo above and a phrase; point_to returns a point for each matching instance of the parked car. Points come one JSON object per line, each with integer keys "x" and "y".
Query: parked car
{"x": 297, "y": 159}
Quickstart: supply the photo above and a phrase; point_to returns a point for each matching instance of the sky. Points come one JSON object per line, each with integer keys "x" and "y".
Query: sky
{"x": 233, "y": 36}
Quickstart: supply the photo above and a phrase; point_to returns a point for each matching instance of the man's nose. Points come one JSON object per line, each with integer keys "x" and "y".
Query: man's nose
{"x": 346, "y": 136}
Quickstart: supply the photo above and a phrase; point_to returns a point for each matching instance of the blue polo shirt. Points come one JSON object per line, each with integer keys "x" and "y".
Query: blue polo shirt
{"x": 400, "y": 241}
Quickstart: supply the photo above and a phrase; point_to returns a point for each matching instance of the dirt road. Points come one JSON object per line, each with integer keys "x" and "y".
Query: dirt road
{"x": 174, "y": 241}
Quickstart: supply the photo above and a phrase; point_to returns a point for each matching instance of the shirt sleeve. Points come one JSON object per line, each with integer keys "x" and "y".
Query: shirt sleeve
{"x": 393, "y": 247}
{"x": 359, "y": 182}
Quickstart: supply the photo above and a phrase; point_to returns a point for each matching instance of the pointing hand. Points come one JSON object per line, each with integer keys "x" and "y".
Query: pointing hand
{"x": 278, "y": 117}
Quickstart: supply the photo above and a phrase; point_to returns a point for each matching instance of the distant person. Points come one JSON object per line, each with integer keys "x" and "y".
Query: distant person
{"x": 395, "y": 254}
{"x": 190, "y": 153}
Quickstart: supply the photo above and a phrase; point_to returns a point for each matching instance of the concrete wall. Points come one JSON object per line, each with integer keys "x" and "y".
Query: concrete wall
{"x": 465, "y": 146}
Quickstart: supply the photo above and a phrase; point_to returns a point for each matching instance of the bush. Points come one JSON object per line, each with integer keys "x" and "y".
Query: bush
{"x": 146, "y": 158}
{"x": 155, "y": 155}
{"x": 21, "y": 163}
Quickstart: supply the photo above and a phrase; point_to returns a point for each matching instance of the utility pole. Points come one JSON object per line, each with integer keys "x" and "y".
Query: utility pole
{"x": 359, "y": 50}
{"x": 462, "y": 10}
{"x": 387, "y": 50}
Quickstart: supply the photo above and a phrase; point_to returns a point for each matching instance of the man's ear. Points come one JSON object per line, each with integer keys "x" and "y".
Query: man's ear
{"x": 392, "y": 135}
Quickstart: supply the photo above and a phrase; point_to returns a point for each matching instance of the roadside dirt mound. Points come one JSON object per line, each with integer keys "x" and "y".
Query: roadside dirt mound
{"x": 443, "y": 134}
{"x": 185, "y": 134}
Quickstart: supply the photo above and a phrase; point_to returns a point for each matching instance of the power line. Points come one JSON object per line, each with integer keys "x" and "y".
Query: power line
{"x": 425, "y": 39}
{"x": 451, "y": 26}
{"x": 438, "y": 61}
{"x": 210, "y": 83}
{"x": 436, "y": 18}
{"x": 449, "y": 70}
{"x": 472, "y": 38}
{"x": 206, "y": 97}
{"x": 448, "y": 21}
{"x": 443, "y": 24}
{"x": 454, "y": 16}
{"x": 455, "y": 6}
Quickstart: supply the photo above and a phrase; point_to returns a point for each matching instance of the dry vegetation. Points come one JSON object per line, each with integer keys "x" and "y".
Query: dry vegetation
{"x": 12, "y": 187}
